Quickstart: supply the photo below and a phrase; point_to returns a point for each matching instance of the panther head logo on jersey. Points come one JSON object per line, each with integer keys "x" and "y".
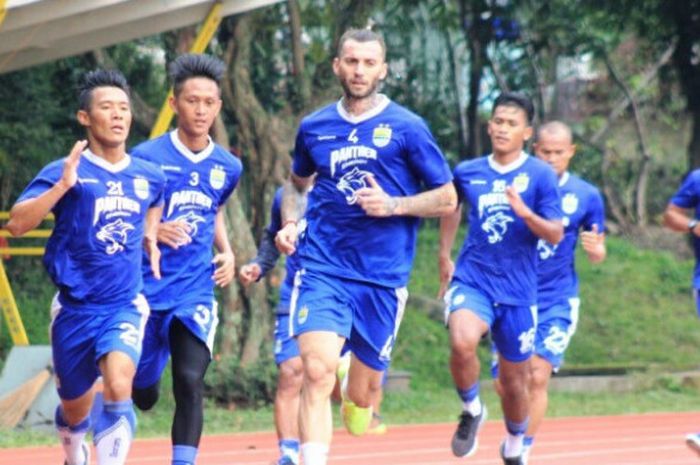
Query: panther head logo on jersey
{"x": 496, "y": 226}
{"x": 192, "y": 220}
{"x": 115, "y": 234}
{"x": 350, "y": 182}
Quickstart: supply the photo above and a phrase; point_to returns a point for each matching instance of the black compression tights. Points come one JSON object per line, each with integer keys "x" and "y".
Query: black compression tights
{"x": 190, "y": 359}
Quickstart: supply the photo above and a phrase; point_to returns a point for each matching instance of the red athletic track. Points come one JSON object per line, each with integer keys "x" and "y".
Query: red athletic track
{"x": 652, "y": 439}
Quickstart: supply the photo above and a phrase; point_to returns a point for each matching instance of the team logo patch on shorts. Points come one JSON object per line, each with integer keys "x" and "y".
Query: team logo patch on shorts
{"x": 141, "y": 188}
{"x": 278, "y": 346}
{"x": 459, "y": 299}
{"x": 303, "y": 315}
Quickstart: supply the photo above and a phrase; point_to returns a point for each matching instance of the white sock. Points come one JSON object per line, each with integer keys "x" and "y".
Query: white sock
{"x": 473, "y": 407}
{"x": 112, "y": 445}
{"x": 514, "y": 445}
{"x": 72, "y": 443}
{"x": 313, "y": 453}
{"x": 526, "y": 454}
{"x": 72, "y": 438}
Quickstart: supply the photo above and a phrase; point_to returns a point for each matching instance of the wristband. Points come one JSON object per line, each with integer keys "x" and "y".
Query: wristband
{"x": 691, "y": 225}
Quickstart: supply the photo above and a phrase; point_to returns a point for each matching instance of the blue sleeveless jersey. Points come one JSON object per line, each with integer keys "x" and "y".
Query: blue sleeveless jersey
{"x": 582, "y": 206}
{"x": 499, "y": 255}
{"x": 688, "y": 196}
{"x": 397, "y": 148}
{"x": 197, "y": 185}
{"x": 95, "y": 251}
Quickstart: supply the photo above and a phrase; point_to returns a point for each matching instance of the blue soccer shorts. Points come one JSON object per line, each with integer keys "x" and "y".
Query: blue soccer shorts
{"x": 200, "y": 318}
{"x": 80, "y": 338}
{"x": 556, "y": 324}
{"x": 512, "y": 327}
{"x": 285, "y": 347}
{"x": 366, "y": 314}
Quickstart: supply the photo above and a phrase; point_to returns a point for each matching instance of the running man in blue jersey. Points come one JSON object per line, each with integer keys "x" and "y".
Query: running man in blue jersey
{"x": 683, "y": 214}
{"x": 285, "y": 348}
{"x": 514, "y": 202}
{"x": 378, "y": 171}
{"x": 107, "y": 206}
{"x": 557, "y": 282}
{"x": 201, "y": 176}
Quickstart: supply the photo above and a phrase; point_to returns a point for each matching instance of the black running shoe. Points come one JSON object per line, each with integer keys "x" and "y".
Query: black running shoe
{"x": 464, "y": 441}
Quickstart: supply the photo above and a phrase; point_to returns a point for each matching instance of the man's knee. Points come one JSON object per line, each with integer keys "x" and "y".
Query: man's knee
{"x": 291, "y": 375}
{"x": 147, "y": 397}
{"x": 540, "y": 375}
{"x": 117, "y": 387}
{"x": 188, "y": 382}
{"x": 319, "y": 372}
{"x": 514, "y": 378}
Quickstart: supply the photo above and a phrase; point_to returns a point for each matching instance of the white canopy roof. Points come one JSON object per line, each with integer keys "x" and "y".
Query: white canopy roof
{"x": 37, "y": 31}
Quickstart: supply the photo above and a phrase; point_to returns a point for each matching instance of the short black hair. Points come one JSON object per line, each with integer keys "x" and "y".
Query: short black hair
{"x": 361, "y": 35}
{"x": 518, "y": 100}
{"x": 192, "y": 65}
{"x": 99, "y": 78}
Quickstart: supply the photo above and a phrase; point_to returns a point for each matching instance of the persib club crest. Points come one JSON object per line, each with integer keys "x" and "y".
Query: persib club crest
{"x": 217, "y": 177}
{"x": 141, "y": 188}
{"x": 381, "y": 136}
{"x": 569, "y": 203}
{"x": 521, "y": 182}
{"x": 303, "y": 315}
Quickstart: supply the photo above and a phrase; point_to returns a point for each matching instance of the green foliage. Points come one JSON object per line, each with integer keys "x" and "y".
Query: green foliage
{"x": 252, "y": 386}
{"x": 636, "y": 307}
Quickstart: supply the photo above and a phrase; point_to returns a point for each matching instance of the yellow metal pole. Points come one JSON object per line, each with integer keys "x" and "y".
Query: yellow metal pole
{"x": 9, "y": 309}
{"x": 3, "y": 11}
{"x": 204, "y": 36}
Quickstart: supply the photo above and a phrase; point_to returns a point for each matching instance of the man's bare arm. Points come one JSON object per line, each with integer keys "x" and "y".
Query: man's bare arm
{"x": 291, "y": 211}
{"x": 449, "y": 225}
{"x": 677, "y": 219}
{"x": 294, "y": 198}
{"x": 433, "y": 203}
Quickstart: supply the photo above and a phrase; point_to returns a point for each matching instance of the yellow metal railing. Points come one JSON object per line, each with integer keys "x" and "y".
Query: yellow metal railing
{"x": 3, "y": 11}
{"x": 7, "y": 298}
{"x": 204, "y": 36}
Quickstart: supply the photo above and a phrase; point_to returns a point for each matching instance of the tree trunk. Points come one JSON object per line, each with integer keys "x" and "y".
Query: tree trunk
{"x": 457, "y": 84}
{"x": 302, "y": 84}
{"x": 477, "y": 39}
{"x": 245, "y": 319}
{"x": 640, "y": 204}
{"x": 687, "y": 20}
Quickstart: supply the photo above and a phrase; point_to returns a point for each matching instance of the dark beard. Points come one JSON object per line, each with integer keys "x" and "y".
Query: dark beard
{"x": 355, "y": 96}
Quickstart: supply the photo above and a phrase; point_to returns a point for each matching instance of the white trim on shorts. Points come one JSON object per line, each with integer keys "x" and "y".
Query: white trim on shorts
{"x": 574, "y": 305}
{"x": 213, "y": 326}
{"x": 293, "y": 298}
